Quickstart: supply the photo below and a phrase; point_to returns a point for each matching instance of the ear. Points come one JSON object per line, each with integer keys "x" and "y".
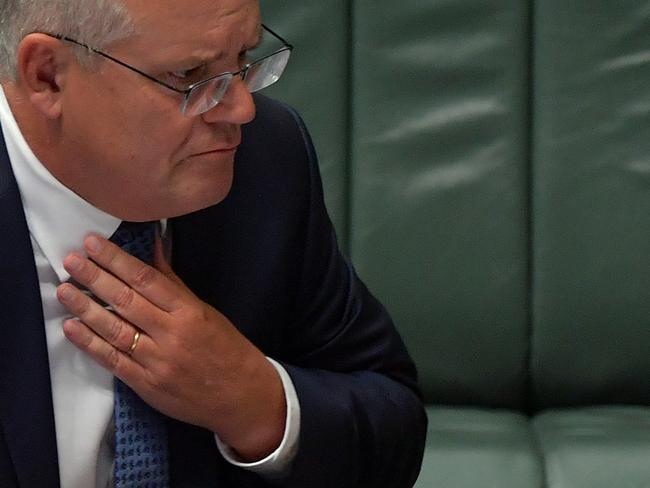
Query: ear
{"x": 43, "y": 65}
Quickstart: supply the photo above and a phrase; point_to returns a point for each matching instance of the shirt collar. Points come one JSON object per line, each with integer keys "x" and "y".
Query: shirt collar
{"x": 58, "y": 219}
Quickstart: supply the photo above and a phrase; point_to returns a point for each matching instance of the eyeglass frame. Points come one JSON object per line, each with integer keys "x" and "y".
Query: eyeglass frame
{"x": 188, "y": 91}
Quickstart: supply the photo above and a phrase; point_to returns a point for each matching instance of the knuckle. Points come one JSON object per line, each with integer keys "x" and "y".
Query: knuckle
{"x": 144, "y": 276}
{"x": 112, "y": 359}
{"x": 110, "y": 253}
{"x": 86, "y": 341}
{"x": 153, "y": 381}
{"x": 162, "y": 379}
{"x": 124, "y": 298}
{"x": 166, "y": 376}
{"x": 83, "y": 305}
{"x": 115, "y": 330}
{"x": 93, "y": 274}
{"x": 180, "y": 343}
{"x": 174, "y": 342}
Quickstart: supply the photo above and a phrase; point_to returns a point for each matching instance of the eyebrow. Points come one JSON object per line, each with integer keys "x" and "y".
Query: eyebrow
{"x": 198, "y": 60}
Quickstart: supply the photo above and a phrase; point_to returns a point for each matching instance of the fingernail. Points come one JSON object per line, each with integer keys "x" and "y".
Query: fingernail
{"x": 93, "y": 244}
{"x": 65, "y": 293}
{"x": 69, "y": 326}
{"x": 74, "y": 262}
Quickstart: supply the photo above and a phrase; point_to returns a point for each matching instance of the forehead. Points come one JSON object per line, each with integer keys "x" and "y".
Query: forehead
{"x": 192, "y": 28}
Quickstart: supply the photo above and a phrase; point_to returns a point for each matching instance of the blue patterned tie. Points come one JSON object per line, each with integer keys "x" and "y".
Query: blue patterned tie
{"x": 141, "y": 459}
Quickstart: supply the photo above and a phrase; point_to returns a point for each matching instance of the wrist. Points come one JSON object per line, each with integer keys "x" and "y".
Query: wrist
{"x": 255, "y": 427}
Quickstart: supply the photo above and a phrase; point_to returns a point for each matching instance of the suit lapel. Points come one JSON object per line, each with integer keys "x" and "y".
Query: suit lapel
{"x": 26, "y": 412}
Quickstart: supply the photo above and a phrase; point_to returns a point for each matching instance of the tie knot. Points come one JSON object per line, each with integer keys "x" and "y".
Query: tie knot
{"x": 136, "y": 238}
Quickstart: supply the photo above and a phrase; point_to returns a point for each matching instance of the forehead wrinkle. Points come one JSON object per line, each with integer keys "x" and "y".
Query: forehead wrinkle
{"x": 224, "y": 47}
{"x": 172, "y": 22}
{"x": 216, "y": 45}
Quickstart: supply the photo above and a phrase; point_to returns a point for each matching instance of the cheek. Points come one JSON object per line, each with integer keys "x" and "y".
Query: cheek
{"x": 123, "y": 99}
{"x": 151, "y": 125}
{"x": 132, "y": 126}
{"x": 136, "y": 155}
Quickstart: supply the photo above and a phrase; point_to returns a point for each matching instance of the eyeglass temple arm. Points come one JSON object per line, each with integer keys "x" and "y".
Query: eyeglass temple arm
{"x": 115, "y": 60}
{"x": 273, "y": 33}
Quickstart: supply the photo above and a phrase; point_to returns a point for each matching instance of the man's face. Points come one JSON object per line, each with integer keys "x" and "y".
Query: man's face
{"x": 126, "y": 146}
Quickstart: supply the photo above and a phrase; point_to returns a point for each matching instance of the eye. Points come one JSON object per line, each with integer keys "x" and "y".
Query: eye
{"x": 186, "y": 73}
{"x": 181, "y": 75}
{"x": 185, "y": 77}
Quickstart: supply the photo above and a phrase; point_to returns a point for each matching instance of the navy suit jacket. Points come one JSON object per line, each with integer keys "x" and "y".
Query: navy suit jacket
{"x": 267, "y": 258}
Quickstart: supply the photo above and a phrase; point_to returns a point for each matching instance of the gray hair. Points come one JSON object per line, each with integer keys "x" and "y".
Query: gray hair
{"x": 97, "y": 23}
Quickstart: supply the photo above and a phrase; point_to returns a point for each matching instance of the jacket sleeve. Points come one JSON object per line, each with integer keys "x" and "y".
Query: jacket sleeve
{"x": 362, "y": 420}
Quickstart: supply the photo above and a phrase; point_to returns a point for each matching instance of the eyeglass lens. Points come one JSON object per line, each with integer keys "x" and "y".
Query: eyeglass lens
{"x": 259, "y": 75}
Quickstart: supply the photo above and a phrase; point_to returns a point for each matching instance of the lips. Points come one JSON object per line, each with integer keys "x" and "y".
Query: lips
{"x": 218, "y": 150}
{"x": 223, "y": 142}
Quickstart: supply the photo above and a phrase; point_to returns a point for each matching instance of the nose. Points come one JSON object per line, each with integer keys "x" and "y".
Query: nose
{"x": 235, "y": 107}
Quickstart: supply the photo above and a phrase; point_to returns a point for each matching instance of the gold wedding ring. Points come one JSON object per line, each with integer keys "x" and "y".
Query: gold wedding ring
{"x": 134, "y": 344}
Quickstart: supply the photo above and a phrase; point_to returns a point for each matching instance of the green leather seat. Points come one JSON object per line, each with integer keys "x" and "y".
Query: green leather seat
{"x": 470, "y": 447}
{"x": 598, "y": 447}
{"x": 487, "y": 167}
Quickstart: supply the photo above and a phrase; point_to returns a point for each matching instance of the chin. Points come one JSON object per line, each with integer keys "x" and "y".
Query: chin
{"x": 204, "y": 185}
{"x": 202, "y": 197}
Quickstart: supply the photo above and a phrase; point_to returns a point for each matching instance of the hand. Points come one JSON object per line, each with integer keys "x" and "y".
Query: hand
{"x": 190, "y": 362}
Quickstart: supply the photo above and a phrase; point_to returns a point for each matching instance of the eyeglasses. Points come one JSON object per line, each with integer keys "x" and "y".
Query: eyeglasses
{"x": 204, "y": 95}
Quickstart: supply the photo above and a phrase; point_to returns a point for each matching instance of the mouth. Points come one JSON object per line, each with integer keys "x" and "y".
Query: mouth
{"x": 219, "y": 150}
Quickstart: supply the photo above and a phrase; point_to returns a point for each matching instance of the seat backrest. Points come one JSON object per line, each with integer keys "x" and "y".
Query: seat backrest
{"x": 591, "y": 200}
{"x": 487, "y": 166}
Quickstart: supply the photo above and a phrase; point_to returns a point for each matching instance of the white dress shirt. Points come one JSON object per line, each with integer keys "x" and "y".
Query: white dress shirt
{"x": 82, "y": 391}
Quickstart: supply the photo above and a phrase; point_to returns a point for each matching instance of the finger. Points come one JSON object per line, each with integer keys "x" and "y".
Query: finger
{"x": 109, "y": 326}
{"x": 124, "y": 300}
{"x": 145, "y": 279}
{"x": 107, "y": 356}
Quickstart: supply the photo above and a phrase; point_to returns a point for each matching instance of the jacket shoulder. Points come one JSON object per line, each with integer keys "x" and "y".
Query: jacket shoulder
{"x": 277, "y": 127}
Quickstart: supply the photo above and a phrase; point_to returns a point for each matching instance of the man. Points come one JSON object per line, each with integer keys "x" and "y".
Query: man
{"x": 269, "y": 361}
